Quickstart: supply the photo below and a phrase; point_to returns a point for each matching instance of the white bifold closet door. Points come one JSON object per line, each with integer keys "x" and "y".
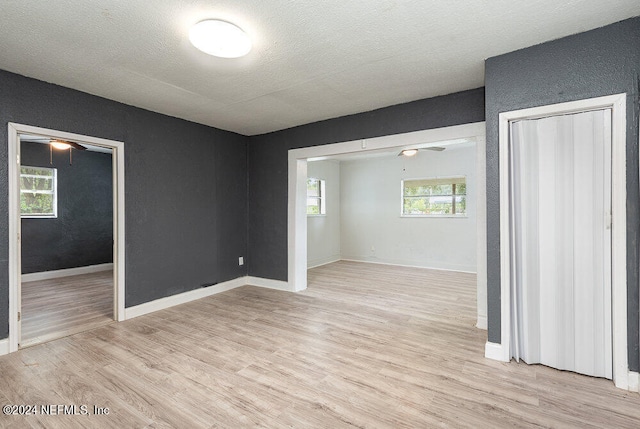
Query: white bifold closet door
{"x": 560, "y": 250}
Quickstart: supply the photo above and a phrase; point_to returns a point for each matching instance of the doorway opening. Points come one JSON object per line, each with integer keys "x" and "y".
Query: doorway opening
{"x": 392, "y": 209}
{"x": 66, "y": 229}
{"x": 616, "y": 221}
{"x": 561, "y": 242}
{"x": 422, "y": 140}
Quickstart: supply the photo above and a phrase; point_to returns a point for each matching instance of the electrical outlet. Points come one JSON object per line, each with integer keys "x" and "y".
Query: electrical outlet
{"x": 241, "y": 260}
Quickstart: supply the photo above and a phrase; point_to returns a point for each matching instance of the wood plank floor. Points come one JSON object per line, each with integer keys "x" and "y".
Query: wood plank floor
{"x": 64, "y": 306}
{"x": 364, "y": 346}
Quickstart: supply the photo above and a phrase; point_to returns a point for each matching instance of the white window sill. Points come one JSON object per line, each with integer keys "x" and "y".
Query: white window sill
{"x": 316, "y": 215}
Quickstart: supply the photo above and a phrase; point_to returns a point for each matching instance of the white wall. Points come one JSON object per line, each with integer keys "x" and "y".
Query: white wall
{"x": 481, "y": 234}
{"x": 323, "y": 232}
{"x": 372, "y": 228}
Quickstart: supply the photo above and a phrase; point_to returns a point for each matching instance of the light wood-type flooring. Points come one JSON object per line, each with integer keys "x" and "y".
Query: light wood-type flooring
{"x": 364, "y": 346}
{"x": 64, "y": 306}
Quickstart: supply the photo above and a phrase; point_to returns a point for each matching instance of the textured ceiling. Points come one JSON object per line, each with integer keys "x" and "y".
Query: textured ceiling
{"x": 311, "y": 60}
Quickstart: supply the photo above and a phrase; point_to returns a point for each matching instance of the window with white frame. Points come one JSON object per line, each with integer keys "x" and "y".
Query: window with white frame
{"x": 316, "y": 201}
{"x": 38, "y": 192}
{"x": 434, "y": 197}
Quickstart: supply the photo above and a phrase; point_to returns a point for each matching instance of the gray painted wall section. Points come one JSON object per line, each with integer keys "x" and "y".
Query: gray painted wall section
{"x": 82, "y": 234}
{"x": 600, "y": 62}
{"x": 180, "y": 179}
{"x": 268, "y": 158}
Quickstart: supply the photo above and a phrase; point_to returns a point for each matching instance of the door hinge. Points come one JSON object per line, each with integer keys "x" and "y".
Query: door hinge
{"x": 19, "y": 315}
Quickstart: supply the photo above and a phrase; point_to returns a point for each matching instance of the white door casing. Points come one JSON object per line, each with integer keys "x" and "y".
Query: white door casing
{"x": 617, "y": 104}
{"x": 117, "y": 147}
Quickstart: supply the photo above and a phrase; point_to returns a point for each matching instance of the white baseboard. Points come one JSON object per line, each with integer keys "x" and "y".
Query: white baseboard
{"x": 407, "y": 265}
{"x": 268, "y": 283}
{"x": 482, "y": 322}
{"x": 319, "y": 263}
{"x": 634, "y": 381}
{"x": 494, "y": 351}
{"x": 182, "y": 298}
{"x": 192, "y": 295}
{"x": 56, "y": 274}
{"x": 4, "y": 346}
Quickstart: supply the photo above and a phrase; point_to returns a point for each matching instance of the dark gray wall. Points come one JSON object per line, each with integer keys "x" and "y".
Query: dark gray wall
{"x": 600, "y": 62}
{"x": 268, "y": 163}
{"x": 185, "y": 195}
{"x": 82, "y": 233}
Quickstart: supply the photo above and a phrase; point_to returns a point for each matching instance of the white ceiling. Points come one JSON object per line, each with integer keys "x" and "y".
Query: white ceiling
{"x": 311, "y": 59}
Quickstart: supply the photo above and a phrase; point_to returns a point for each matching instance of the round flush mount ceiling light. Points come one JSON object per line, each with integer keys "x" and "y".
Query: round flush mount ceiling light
{"x": 220, "y": 38}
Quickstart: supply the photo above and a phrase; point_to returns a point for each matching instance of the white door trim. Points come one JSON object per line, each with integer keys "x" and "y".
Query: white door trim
{"x": 297, "y": 213}
{"x": 617, "y": 104}
{"x": 14, "y": 218}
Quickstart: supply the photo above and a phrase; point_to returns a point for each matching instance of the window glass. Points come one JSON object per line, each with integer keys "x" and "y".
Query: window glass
{"x": 434, "y": 197}
{"x": 316, "y": 196}
{"x": 38, "y": 193}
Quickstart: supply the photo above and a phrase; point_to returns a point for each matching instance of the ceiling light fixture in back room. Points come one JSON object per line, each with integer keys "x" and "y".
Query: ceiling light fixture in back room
{"x": 408, "y": 152}
{"x": 412, "y": 152}
{"x": 63, "y": 145}
{"x": 220, "y": 38}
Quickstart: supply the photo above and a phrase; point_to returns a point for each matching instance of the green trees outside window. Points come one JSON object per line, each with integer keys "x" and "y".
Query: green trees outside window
{"x": 316, "y": 202}
{"x": 434, "y": 197}
{"x": 38, "y": 192}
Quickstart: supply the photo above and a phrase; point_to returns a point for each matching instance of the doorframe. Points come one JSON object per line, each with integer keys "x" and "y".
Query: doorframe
{"x": 617, "y": 104}
{"x": 297, "y": 196}
{"x": 117, "y": 147}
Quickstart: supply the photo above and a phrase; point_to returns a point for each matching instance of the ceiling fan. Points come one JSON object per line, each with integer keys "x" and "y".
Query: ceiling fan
{"x": 63, "y": 145}
{"x": 55, "y": 143}
{"x": 412, "y": 152}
